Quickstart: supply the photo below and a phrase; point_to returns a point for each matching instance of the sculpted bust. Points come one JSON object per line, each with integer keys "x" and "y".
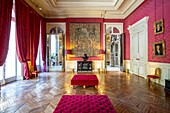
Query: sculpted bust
{"x": 85, "y": 57}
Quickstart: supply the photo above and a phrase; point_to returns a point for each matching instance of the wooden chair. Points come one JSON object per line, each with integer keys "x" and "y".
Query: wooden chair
{"x": 35, "y": 73}
{"x": 32, "y": 71}
{"x": 157, "y": 75}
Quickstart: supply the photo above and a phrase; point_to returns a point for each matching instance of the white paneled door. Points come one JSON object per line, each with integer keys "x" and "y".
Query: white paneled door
{"x": 139, "y": 53}
{"x": 139, "y": 47}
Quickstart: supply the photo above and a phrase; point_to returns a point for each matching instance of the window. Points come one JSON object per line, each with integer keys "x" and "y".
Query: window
{"x": 1, "y": 72}
{"x": 11, "y": 67}
{"x": 10, "y": 63}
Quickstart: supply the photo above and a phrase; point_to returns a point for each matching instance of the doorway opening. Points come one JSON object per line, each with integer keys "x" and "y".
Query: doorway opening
{"x": 139, "y": 47}
{"x": 54, "y": 52}
{"x": 114, "y": 49}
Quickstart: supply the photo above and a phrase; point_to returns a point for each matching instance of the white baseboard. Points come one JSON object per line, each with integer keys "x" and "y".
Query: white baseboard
{"x": 127, "y": 64}
{"x": 165, "y": 70}
{"x": 73, "y": 65}
{"x": 151, "y": 66}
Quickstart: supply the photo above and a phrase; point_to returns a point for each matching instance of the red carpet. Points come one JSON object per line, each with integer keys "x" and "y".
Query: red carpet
{"x": 84, "y": 104}
{"x": 84, "y": 79}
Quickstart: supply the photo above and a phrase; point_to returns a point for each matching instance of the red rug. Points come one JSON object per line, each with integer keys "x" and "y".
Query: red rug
{"x": 84, "y": 104}
{"x": 84, "y": 79}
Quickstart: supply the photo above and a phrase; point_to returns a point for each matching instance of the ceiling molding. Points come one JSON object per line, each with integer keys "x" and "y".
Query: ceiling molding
{"x": 36, "y": 8}
{"x": 114, "y": 9}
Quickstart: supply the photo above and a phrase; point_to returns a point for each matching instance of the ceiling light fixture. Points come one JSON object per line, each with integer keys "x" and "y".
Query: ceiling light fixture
{"x": 40, "y": 8}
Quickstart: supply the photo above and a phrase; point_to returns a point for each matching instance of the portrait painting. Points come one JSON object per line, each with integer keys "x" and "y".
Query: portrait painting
{"x": 159, "y": 49}
{"x": 158, "y": 27}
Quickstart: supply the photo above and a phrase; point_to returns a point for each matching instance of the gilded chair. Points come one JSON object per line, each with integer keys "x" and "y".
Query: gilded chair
{"x": 31, "y": 70}
{"x": 157, "y": 75}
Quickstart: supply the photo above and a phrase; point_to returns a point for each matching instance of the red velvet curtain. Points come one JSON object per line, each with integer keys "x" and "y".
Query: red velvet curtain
{"x": 23, "y": 34}
{"x": 5, "y": 25}
{"x": 43, "y": 43}
{"x": 35, "y": 35}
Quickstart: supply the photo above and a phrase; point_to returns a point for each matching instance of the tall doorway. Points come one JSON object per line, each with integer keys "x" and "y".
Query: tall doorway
{"x": 54, "y": 53}
{"x": 139, "y": 47}
{"x": 114, "y": 46}
{"x": 114, "y": 52}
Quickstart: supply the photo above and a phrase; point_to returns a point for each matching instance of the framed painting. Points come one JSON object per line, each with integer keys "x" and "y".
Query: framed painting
{"x": 158, "y": 27}
{"x": 159, "y": 49}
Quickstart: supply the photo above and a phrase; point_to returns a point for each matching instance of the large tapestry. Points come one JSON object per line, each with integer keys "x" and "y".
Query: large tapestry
{"x": 84, "y": 38}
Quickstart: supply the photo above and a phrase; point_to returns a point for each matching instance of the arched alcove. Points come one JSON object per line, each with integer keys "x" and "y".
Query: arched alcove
{"x": 55, "y": 46}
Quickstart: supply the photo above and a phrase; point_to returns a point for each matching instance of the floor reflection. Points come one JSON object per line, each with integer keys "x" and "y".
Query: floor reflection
{"x": 70, "y": 90}
{"x": 126, "y": 91}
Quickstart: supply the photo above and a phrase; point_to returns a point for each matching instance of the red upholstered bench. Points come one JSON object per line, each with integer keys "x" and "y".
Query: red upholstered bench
{"x": 84, "y": 80}
{"x": 84, "y": 104}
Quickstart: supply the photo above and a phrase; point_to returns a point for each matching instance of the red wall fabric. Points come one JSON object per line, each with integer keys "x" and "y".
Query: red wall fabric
{"x": 156, "y": 10}
{"x": 5, "y": 25}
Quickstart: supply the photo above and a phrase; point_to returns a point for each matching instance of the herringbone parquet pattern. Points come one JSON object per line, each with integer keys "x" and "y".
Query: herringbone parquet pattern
{"x": 128, "y": 93}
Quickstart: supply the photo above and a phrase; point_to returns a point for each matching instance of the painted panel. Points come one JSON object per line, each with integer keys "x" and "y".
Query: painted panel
{"x": 142, "y": 46}
{"x": 71, "y": 65}
{"x": 165, "y": 70}
{"x": 135, "y": 46}
{"x": 142, "y": 69}
{"x": 135, "y": 68}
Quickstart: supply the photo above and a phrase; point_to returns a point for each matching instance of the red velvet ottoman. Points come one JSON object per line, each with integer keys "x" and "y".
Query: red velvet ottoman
{"x": 84, "y": 104}
{"x": 84, "y": 80}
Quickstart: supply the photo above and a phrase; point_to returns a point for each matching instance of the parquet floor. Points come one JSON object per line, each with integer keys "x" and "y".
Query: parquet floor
{"x": 128, "y": 93}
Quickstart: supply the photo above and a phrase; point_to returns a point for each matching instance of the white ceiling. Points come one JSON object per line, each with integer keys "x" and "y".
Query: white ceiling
{"x": 116, "y": 9}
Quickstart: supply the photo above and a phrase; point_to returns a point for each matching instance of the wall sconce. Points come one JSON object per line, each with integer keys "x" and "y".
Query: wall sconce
{"x": 68, "y": 52}
{"x": 101, "y": 51}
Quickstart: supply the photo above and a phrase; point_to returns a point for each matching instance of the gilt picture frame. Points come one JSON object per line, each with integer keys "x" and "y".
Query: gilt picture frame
{"x": 159, "y": 49}
{"x": 158, "y": 27}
